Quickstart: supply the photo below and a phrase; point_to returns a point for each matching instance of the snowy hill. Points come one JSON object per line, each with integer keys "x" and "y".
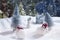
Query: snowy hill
{"x": 54, "y": 34}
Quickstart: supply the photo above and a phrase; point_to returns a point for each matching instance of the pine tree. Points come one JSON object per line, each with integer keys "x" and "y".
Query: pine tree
{"x": 48, "y": 19}
{"x": 21, "y": 9}
{"x": 6, "y": 7}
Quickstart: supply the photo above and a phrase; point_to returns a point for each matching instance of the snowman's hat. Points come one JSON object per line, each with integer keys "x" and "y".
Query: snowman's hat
{"x": 16, "y": 11}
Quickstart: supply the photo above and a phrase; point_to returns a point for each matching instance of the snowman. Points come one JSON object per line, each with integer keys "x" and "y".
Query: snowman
{"x": 16, "y": 24}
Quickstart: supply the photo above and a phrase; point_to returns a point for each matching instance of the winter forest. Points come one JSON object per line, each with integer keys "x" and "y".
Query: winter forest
{"x": 28, "y": 7}
{"x": 29, "y": 19}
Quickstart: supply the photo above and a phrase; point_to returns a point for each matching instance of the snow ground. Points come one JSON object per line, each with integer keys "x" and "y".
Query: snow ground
{"x": 5, "y": 28}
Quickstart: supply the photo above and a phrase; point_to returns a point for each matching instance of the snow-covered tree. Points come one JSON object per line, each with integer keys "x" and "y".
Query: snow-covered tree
{"x": 48, "y": 19}
{"x": 22, "y": 9}
{"x": 16, "y": 17}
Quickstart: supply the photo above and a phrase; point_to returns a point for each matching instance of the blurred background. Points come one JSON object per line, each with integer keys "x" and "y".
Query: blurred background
{"x": 27, "y": 7}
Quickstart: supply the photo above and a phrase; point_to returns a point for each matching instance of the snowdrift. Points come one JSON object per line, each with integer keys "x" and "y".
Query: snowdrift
{"x": 54, "y": 34}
